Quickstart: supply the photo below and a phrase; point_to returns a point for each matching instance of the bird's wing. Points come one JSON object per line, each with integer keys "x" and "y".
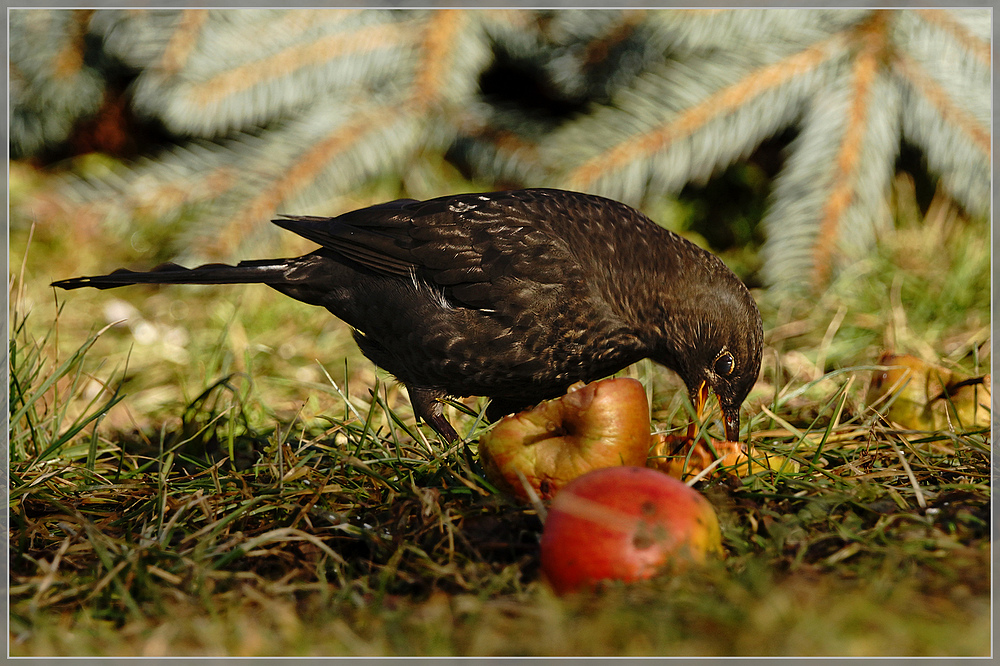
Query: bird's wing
{"x": 466, "y": 244}
{"x": 371, "y": 236}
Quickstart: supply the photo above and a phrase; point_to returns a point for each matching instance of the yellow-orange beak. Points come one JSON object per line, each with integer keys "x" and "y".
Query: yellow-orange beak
{"x": 731, "y": 420}
{"x": 700, "y": 398}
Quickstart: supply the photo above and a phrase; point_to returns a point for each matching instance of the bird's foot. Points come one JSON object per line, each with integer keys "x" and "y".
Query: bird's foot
{"x": 427, "y": 406}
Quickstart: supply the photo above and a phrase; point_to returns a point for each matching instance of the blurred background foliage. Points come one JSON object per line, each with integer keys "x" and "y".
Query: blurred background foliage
{"x": 779, "y": 131}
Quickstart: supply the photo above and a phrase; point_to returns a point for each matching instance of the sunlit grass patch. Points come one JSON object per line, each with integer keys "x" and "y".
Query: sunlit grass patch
{"x": 271, "y": 494}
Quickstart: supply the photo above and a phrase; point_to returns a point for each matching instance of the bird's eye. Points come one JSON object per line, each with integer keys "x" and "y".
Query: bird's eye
{"x": 724, "y": 364}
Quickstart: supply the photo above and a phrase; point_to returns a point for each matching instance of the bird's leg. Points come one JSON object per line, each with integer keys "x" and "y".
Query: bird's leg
{"x": 427, "y": 406}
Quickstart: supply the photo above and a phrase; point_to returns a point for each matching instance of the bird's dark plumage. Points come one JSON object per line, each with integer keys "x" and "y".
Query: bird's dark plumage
{"x": 512, "y": 295}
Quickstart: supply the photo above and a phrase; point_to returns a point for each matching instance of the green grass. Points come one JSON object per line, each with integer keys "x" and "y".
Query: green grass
{"x": 213, "y": 478}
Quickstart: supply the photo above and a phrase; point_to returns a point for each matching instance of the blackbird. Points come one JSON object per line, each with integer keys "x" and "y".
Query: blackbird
{"x": 511, "y": 295}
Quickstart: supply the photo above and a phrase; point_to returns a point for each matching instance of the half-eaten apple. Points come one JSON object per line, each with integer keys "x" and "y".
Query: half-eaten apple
{"x": 602, "y": 424}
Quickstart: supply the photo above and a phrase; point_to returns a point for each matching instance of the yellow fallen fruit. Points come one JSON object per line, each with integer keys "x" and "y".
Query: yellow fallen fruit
{"x": 678, "y": 457}
{"x": 922, "y": 396}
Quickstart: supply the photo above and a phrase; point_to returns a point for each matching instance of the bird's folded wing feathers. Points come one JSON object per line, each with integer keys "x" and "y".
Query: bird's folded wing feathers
{"x": 461, "y": 245}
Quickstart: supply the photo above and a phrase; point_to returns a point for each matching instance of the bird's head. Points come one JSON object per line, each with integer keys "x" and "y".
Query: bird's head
{"x": 714, "y": 342}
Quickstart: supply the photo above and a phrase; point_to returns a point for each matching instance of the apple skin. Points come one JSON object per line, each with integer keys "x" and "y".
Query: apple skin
{"x": 625, "y": 523}
{"x": 602, "y": 424}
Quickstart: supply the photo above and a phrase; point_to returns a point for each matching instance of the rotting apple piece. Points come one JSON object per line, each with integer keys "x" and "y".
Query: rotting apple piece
{"x": 918, "y": 395}
{"x": 682, "y": 458}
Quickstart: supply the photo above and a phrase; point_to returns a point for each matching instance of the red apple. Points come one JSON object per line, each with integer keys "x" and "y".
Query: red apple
{"x": 625, "y": 523}
{"x": 602, "y": 424}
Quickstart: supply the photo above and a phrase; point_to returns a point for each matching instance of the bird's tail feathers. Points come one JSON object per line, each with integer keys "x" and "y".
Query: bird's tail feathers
{"x": 267, "y": 271}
